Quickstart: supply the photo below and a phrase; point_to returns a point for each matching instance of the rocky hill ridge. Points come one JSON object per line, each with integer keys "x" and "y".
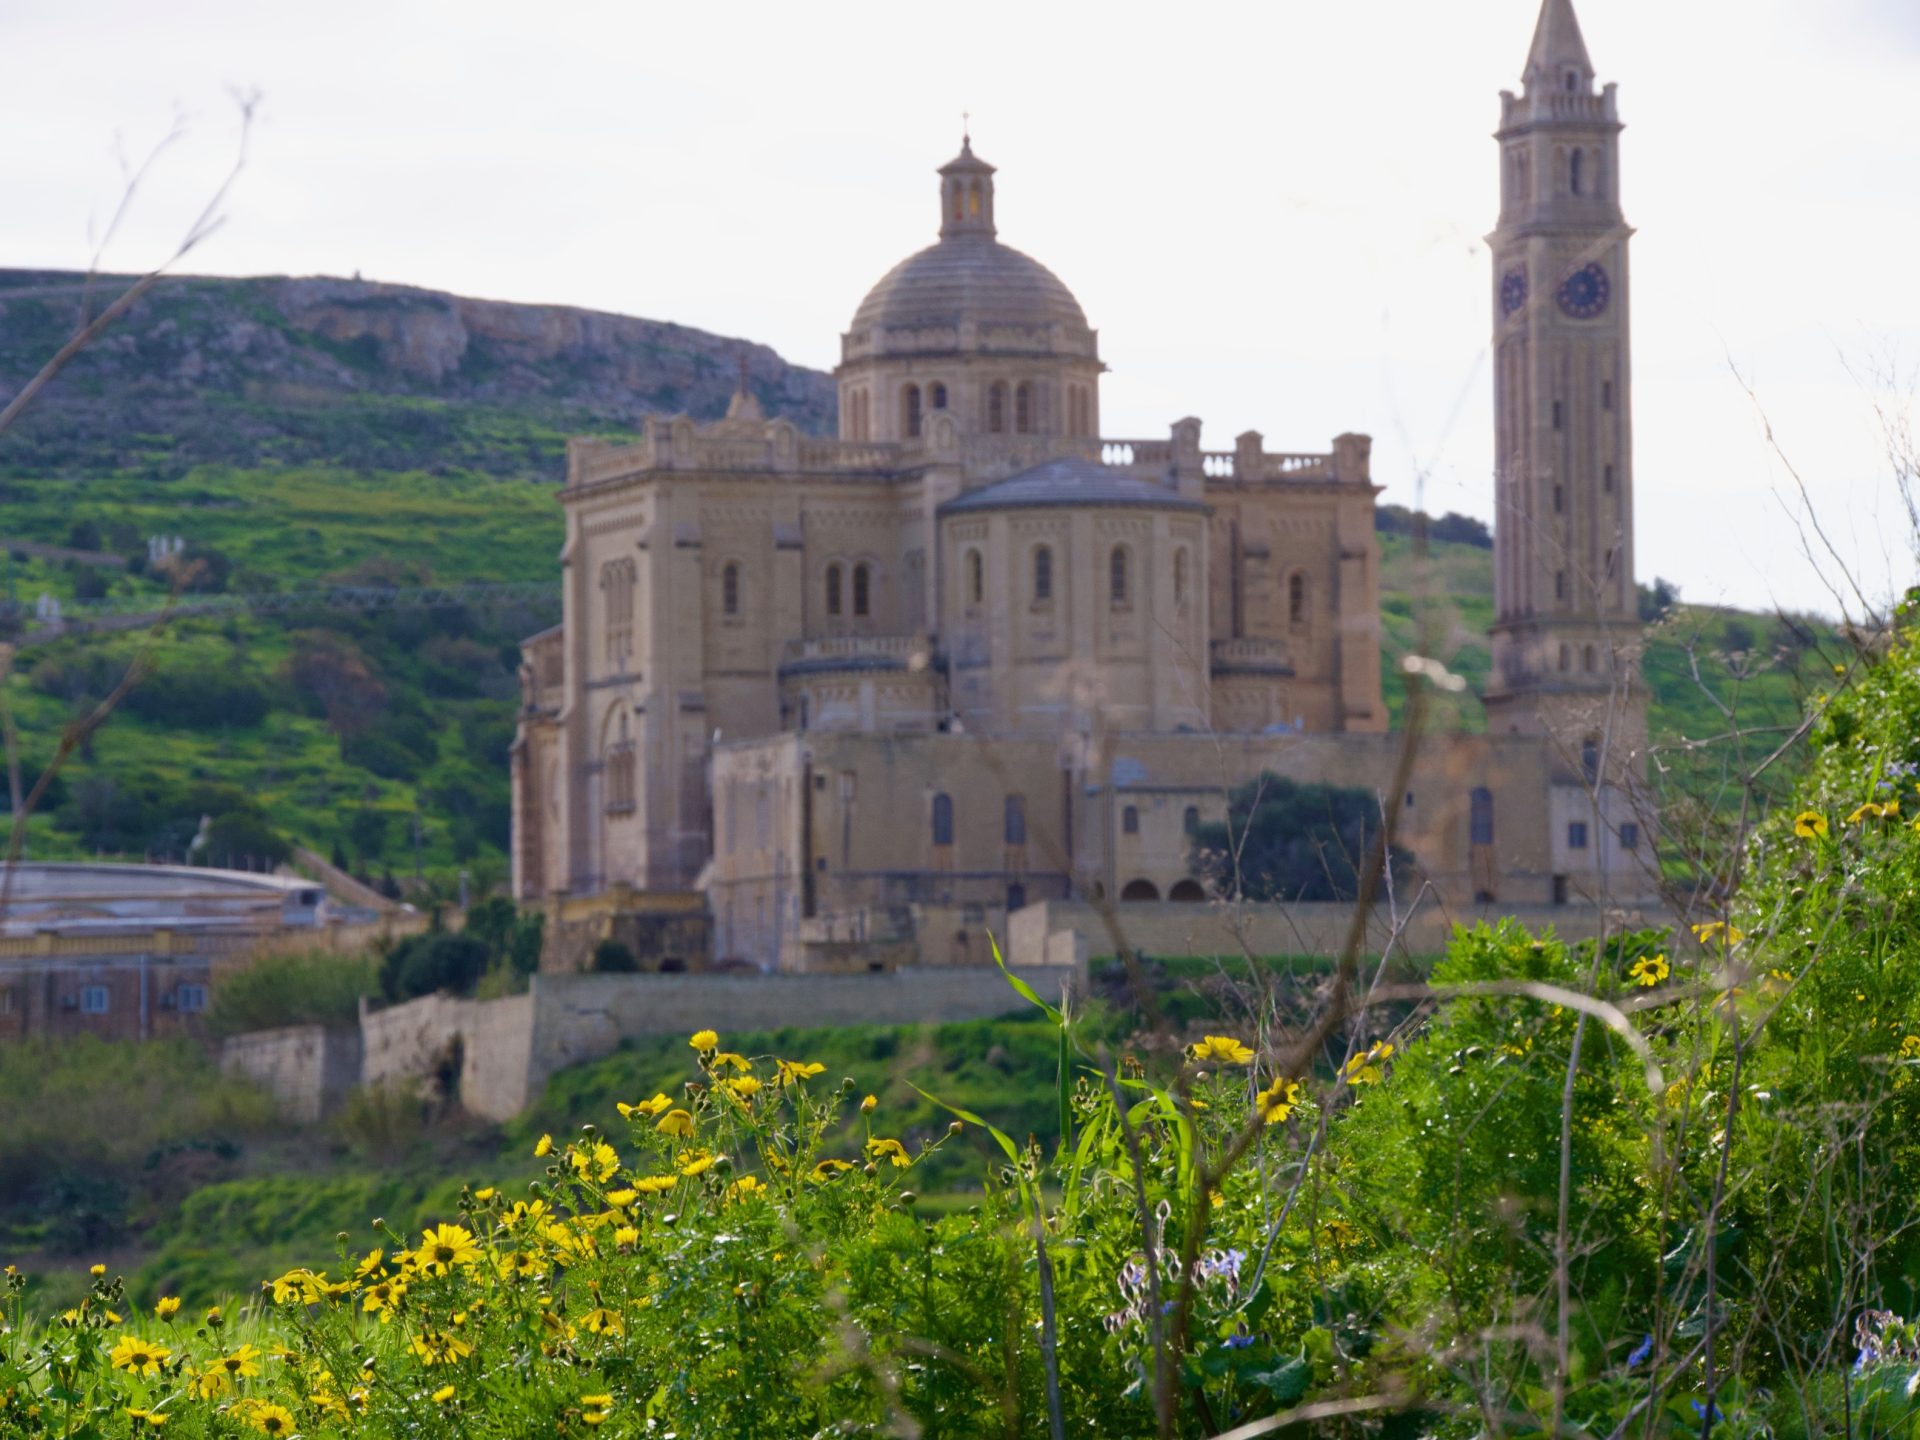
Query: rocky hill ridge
{"x": 263, "y": 369}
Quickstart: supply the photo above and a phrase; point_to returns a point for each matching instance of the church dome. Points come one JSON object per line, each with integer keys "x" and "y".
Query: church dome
{"x": 970, "y": 278}
{"x": 946, "y": 295}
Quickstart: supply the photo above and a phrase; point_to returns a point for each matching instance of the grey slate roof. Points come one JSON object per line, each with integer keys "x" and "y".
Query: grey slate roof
{"x": 969, "y": 277}
{"x": 1071, "y": 481}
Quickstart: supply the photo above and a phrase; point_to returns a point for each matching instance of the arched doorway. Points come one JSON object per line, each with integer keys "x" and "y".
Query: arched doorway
{"x": 1186, "y": 892}
{"x": 1139, "y": 890}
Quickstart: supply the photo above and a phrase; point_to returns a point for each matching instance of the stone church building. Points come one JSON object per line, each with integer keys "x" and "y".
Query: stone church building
{"x": 868, "y": 694}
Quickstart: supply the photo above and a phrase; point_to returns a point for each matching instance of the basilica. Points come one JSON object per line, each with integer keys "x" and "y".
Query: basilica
{"x": 871, "y": 695}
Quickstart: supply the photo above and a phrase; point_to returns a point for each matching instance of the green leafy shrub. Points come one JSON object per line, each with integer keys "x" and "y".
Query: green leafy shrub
{"x": 426, "y": 964}
{"x": 614, "y": 957}
{"x": 314, "y": 987}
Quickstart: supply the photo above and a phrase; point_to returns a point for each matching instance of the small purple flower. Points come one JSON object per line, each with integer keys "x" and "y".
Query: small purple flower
{"x": 1238, "y": 1341}
{"x": 1640, "y": 1352}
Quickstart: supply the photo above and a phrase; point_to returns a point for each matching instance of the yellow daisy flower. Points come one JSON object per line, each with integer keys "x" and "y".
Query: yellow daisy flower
{"x": 892, "y": 1150}
{"x": 1364, "y": 1068}
{"x": 1276, "y": 1102}
{"x": 445, "y": 1246}
{"x": 1220, "y": 1049}
{"x": 1649, "y": 970}
{"x": 138, "y": 1356}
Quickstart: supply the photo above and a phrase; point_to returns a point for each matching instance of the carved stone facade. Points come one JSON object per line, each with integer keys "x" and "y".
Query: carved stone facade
{"x": 879, "y": 689}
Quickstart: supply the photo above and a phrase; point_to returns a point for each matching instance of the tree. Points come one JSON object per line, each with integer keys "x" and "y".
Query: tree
{"x": 1657, "y": 599}
{"x": 427, "y": 964}
{"x": 614, "y": 957}
{"x": 1286, "y": 841}
{"x": 341, "y": 680}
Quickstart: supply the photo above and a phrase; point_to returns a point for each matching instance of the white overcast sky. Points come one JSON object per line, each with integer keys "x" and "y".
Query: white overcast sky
{"x": 1272, "y": 212}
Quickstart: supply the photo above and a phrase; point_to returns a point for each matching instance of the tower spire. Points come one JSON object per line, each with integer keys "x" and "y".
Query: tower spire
{"x": 1559, "y": 50}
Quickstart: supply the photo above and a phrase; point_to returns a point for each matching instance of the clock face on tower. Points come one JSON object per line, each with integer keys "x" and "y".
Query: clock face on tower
{"x": 1513, "y": 290}
{"x": 1583, "y": 294}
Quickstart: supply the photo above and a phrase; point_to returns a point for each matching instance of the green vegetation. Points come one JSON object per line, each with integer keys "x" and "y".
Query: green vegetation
{"x": 313, "y": 987}
{"x": 328, "y": 728}
{"x": 1658, "y": 1185}
{"x": 1283, "y": 840}
{"x": 94, "y": 1131}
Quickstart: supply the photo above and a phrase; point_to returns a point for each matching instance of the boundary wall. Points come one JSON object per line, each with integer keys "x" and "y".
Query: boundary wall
{"x": 495, "y": 1056}
{"x": 308, "y": 1069}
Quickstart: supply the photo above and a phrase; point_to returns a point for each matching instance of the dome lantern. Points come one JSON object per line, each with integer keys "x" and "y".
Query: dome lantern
{"x": 966, "y": 195}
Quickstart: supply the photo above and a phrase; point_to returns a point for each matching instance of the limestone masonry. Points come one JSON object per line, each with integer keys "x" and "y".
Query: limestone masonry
{"x": 870, "y": 694}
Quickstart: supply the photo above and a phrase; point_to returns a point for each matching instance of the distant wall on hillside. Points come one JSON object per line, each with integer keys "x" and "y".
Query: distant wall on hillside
{"x": 308, "y": 1069}
{"x": 495, "y": 1056}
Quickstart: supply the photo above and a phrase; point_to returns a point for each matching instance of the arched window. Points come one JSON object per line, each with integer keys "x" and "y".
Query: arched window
{"x": 730, "y": 589}
{"x": 1559, "y": 584}
{"x": 976, "y": 578}
{"x": 1015, "y": 826}
{"x": 862, "y": 589}
{"x": 1139, "y": 890}
{"x": 1179, "y": 575}
{"x": 1566, "y": 657}
{"x": 997, "y": 408}
{"x": 1117, "y": 577}
{"x": 1480, "y": 816}
{"x": 1187, "y": 892}
{"x": 943, "y": 819}
{"x": 618, "y": 765}
{"x": 910, "y": 411}
{"x": 1586, "y": 659}
{"x": 1590, "y": 759}
{"x": 1190, "y": 822}
{"x": 1573, "y": 172}
{"x": 1130, "y": 820}
{"x": 833, "y": 589}
{"x": 1023, "y": 408}
{"x": 936, "y": 396}
{"x": 973, "y": 199}
{"x": 1043, "y": 574}
{"x": 1296, "y": 599}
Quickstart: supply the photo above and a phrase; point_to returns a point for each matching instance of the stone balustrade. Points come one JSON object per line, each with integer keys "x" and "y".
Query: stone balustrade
{"x": 858, "y": 647}
{"x": 1267, "y": 656}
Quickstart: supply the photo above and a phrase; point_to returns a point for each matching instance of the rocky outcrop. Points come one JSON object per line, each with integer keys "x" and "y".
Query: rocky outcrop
{"x": 253, "y": 370}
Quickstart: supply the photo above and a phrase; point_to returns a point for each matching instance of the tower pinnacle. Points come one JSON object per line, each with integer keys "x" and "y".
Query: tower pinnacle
{"x": 1558, "y": 59}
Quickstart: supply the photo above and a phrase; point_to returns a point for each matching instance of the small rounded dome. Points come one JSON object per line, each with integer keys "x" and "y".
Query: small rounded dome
{"x": 971, "y": 278}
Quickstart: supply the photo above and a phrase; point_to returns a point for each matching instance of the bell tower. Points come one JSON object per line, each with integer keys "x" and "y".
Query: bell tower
{"x": 1566, "y": 633}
